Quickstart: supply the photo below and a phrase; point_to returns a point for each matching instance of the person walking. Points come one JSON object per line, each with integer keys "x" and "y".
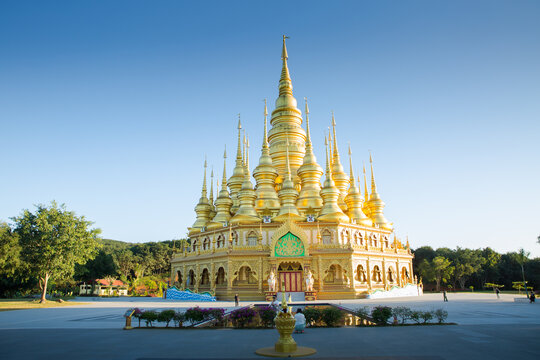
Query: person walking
{"x": 497, "y": 291}
{"x": 236, "y": 300}
{"x": 445, "y": 298}
{"x": 300, "y": 321}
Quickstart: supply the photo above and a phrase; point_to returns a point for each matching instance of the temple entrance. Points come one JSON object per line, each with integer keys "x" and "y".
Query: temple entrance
{"x": 290, "y": 277}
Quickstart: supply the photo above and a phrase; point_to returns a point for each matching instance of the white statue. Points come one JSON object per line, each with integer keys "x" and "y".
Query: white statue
{"x": 309, "y": 281}
{"x": 272, "y": 281}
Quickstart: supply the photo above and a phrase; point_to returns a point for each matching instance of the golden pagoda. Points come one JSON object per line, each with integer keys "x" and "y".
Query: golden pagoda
{"x": 288, "y": 232}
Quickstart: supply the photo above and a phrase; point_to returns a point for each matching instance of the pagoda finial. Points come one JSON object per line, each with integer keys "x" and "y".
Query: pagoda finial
{"x": 247, "y": 154}
{"x": 351, "y": 177}
{"x": 366, "y": 194}
{"x": 336, "y": 153}
{"x": 328, "y": 167}
{"x": 308, "y": 139}
{"x": 373, "y": 186}
{"x": 330, "y": 146}
{"x": 204, "y": 179}
{"x": 285, "y": 84}
{"x": 265, "y": 138}
{"x": 224, "y": 180}
{"x": 239, "y": 150}
{"x": 244, "y": 149}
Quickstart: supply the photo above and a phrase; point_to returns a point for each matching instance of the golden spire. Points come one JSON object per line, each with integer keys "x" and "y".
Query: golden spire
{"x": 376, "y": 205}
{"x": 309, "y": 202}
{"x": 365, "y": 207}
{"x": 202, "y": 209}
{"x": 285, "y": 84}
{"x": 329, "y": 193}
{"x": 286, "y": 124}
{"x": 340, "y": 176}
{"x": 211, "y": 197}
{"x": 237, "y": 178}
{"x": 223, "y": 201}
{"x": 330, "y": 144}
{"x": 246, "y": 196}
{"x": 354, "y": 199}
{"x": 267, "y": 203}
{"x": 287, "y": 194}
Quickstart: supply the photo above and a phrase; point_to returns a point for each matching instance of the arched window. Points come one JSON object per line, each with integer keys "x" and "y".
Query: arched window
{"x": 235, "y": 238}
{"x": 334, "y": 274}
{"x": 374, "y": 241}
{"x": 326, "y": 237}
{"x": 245, "y": 276}
{"x": 178, "y": 278}
{"x": 376, "y": 276}
{"x": 252, "y": 239}
{"x": 205, "y": 277}
{"x": 360, "y": 238}
{"x": 220, "y": 278}
{"x": 191, "y": 278}
{"x": 385, "y": 239}
{"x": 220, "y": 241}
{"x": 405, "y": 275}
{"x": 195, "y": 245}
{"x": 206, "y": 244}
{"x": 360, "y": 274}
{"x": 390, "y": 275}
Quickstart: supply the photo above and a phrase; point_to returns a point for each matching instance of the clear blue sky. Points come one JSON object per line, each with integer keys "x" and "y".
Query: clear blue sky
{"x": 110, "y": 106}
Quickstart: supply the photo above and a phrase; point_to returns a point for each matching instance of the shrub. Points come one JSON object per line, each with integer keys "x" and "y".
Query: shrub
{"x": 472, "y": 288}
{"x": 166, "y": 316}
{"x": 313, "y": 315}
{"x": 215, "y": 313}
{"x": 402, "y": 313}
{"x": 363, "y": 312}
{"x": 441, "y": 315}
{"x": 194, "y": 315}
{"x": 137, "y": 315}
{"x": 415, "y": 316}
{"x": 149, "y": 316}
{"x": 381, "y": 314}
{"x": 332, "y": 317}
{"x": 178, "y": 318}
{"x": 267, "y": 315}
{"x": 243, "y": 317}
{"x": 426, "y": 316}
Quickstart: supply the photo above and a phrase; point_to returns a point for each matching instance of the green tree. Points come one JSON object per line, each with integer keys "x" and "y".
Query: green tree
{"x": 125, "y": 262}
{"x": 466, "y": 263}
{"x": 522, "y": 257}
{"x": 53, "y": 240}
{"x": 440, "y": 269}
{"x": 10, "y": 251}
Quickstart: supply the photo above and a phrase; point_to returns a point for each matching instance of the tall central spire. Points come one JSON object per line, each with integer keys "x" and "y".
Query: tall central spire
{"x": 286, "y": 124}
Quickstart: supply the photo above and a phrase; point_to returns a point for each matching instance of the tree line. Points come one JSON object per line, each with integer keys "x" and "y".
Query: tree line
{"x": 462, "y": 268}
{"x": 52, "y": 247}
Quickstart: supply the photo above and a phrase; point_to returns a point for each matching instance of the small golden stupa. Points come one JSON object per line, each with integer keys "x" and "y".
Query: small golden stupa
{"x": 288, "y": 232}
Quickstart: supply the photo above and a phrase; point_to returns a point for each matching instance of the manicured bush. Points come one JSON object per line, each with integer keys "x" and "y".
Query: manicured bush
{"x": 402, "y": 313}
{"x": 381, "y": 314}
{"x": 313, "y": 315}
{"x": 215, "y": 313}
{"x": 267, "y": 315}
{"x": 441, "y": 315}
{"x": 166, "y": 316}
{"x": 178, "y": 318}
{"x": 332, "y": 317}
{"x": 242, "y": 317}
{"x": 149, "y": 316}
{"x": 416, "y": 316}
{"x": 426, "y": 316}
{"x": 194, "y": 315}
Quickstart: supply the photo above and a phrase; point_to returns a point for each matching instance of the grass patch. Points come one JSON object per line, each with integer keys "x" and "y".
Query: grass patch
{"x": 18, "y": 304}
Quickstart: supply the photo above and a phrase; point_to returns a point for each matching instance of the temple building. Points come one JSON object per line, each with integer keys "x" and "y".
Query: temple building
{"x": 298, "y": 227}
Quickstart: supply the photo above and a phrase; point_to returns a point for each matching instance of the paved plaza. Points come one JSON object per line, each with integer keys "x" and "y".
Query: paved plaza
{"x": 488, "y": 328}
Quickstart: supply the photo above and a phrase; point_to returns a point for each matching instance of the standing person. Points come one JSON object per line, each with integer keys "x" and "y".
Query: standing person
{"x": 236, "y": 300}
{"x": 300, "y": 321}
{"x": 274, "y": 303}
{"x": 532, "y": 297}
{"x": 497, "y": 291}
{"x": 445, "y": 298}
